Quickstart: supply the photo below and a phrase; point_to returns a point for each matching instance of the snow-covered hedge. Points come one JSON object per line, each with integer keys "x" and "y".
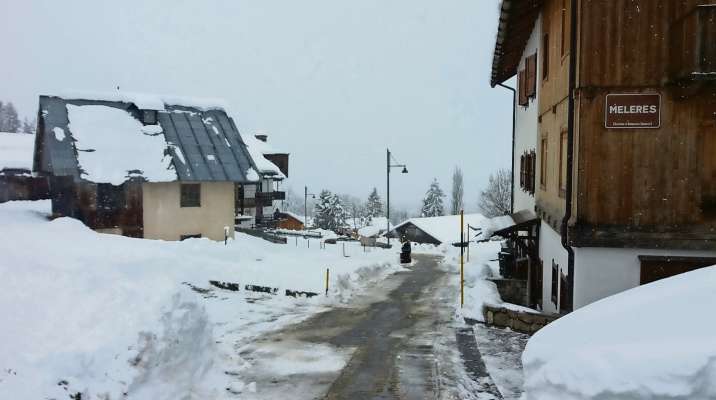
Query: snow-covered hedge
{"x": 656, "y": 341}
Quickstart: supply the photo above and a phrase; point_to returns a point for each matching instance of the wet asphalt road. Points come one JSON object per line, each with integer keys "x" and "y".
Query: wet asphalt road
{"x": 387, "y": 364}
{"x": 402, "y": 345}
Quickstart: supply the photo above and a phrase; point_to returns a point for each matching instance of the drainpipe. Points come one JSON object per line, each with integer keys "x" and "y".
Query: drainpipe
{"x": 570, "y": 154}
{"x": 512, "y": 168}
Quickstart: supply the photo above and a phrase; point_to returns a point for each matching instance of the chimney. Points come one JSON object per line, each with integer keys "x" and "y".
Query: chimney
{"x": 262, "y": 137}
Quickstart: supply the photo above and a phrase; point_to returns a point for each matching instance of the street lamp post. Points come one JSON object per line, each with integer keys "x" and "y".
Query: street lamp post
{"x": 387, "y": 196}
{"x": 305, "y": 205}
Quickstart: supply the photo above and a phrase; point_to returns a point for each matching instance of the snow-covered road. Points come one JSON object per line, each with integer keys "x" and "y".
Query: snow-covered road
{"x": 397, "y": 341}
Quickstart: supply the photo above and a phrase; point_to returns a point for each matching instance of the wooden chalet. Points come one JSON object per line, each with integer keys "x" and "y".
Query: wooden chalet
{"x": 623, "y": 100}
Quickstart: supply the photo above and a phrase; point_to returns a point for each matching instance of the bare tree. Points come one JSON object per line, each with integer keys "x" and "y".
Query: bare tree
{"x": 458, "y": 190}
{"x": 495, "y": 199}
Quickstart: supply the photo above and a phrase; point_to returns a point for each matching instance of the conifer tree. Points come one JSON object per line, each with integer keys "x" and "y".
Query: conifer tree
{"x": 433, "y": 202}
{"x": 374, "y": 206}
{"x": 329, "y": 212}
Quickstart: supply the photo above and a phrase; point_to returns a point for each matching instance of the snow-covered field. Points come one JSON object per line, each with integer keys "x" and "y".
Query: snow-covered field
{"x": 106, "y": 315}
{"x": 655, "y": 341}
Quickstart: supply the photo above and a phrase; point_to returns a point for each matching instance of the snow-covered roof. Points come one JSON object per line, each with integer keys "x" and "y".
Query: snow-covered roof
{"x": 655, "y": 341}
{"x": 146, "y": 101}
{"x": 369, "y": 231}
{"x": 257, "y": 149}
{"x": 297, "y": 217}
{"x": 104, "y": 141}
{"x": 16, "y": 150}
{"x": 490, "y": 226}
{"x": 445, "y": 229}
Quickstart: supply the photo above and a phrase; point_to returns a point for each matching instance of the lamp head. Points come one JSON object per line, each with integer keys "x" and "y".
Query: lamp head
{"x": 405, "y": 169}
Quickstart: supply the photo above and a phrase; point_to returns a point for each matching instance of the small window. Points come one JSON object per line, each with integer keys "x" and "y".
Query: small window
{"x": 545, "y": 56}
{"x": 149, "y": 117}
{"x": 564, "y": 301}
{"x": 555, "y": 282}
{"x": 543, "y": 163}
{"x": 191, "y": 236}
{"x": 191, "y": 195}
{"x": 563, "y": 163}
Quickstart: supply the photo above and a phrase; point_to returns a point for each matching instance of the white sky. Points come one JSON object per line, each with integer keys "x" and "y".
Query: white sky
{"x": 333, "y": 82}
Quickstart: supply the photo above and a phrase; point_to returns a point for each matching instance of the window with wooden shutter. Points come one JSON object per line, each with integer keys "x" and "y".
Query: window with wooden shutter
{"x": 545, "y": 56}
{"x": 543, "y": 163}
{"x": 522, "y": 171}
{"x": 531, "y": 71}
{"x": 522, "y": 88}
{"x": 563, "y": 163}
{"x": 555, "y": 282}
{"x": 533, "y": 171}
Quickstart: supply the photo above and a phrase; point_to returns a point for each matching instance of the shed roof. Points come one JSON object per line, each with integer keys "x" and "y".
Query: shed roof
{"x": 517, "y": 18}
{"x": 444, "y": 229}
{"x": 199, "y": 143}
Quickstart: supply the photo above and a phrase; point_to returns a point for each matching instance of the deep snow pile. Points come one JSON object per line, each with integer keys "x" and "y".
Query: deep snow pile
{"x": 16, "y": 150}
{"x": 104, "y": 315}
{"x": 653, "y": 341}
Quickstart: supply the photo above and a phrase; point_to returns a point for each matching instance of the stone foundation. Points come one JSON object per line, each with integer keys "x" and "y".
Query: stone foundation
{"x": 519, "y": 321}
{"x": 512, "y": 291}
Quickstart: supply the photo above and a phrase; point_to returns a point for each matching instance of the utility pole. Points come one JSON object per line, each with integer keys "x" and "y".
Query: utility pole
{"x": 305, "y": 206}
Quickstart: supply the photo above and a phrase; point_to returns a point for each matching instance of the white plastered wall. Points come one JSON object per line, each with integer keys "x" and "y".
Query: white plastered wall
{"x": 602, "y": 272}
{"x": 550, "y": 249}
{"x": 526, "y": 125}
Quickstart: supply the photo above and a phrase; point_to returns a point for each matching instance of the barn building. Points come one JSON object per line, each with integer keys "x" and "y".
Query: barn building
{"x": 614, "y": 142}
{"x": 146, "y": 166}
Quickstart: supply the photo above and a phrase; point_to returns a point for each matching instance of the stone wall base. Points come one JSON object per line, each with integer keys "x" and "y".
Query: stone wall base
{"x": 519, "y": 321}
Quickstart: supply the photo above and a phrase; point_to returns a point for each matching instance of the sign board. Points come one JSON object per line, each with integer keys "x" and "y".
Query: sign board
{"x": 633, "y": 110}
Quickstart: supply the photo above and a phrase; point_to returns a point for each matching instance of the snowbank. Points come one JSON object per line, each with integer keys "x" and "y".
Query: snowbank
{"x": 102, "y": 315}
{"x": 653, "y": 341}
{"x": 112, "y": 145}
{"x": 16, "y": 150}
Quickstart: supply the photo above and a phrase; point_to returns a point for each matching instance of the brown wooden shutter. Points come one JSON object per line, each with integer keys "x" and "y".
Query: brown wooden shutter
{"x": 522, "y": 88}
{"x": 531, "y": 68}
{"x": 533, "y": 169}
{"x": 522, "y": 171}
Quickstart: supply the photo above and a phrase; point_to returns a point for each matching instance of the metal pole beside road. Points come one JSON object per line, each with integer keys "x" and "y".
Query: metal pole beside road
{"x": 462, "y": 261}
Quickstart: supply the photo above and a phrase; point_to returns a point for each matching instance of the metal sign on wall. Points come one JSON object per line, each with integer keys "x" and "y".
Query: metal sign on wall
{"x": 633, "y": 110}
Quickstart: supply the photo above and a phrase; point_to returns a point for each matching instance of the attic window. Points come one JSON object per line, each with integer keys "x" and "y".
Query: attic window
{"x": 149, "y": 117}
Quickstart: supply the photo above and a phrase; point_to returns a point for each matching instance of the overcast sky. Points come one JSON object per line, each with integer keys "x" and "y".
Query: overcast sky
{"x": 333, "y": 82}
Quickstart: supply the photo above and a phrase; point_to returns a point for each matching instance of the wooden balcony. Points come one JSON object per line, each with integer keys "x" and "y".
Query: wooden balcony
{"x": 266, "y": 197}
{"x": 693, "y": 45}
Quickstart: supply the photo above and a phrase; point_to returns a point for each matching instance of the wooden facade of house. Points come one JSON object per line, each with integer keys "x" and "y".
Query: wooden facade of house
{"x": 644, "y": 187}
{"x": 647, "y": 187}
{"x": 628, "y": 101}
{"x": 290, "y": 222}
